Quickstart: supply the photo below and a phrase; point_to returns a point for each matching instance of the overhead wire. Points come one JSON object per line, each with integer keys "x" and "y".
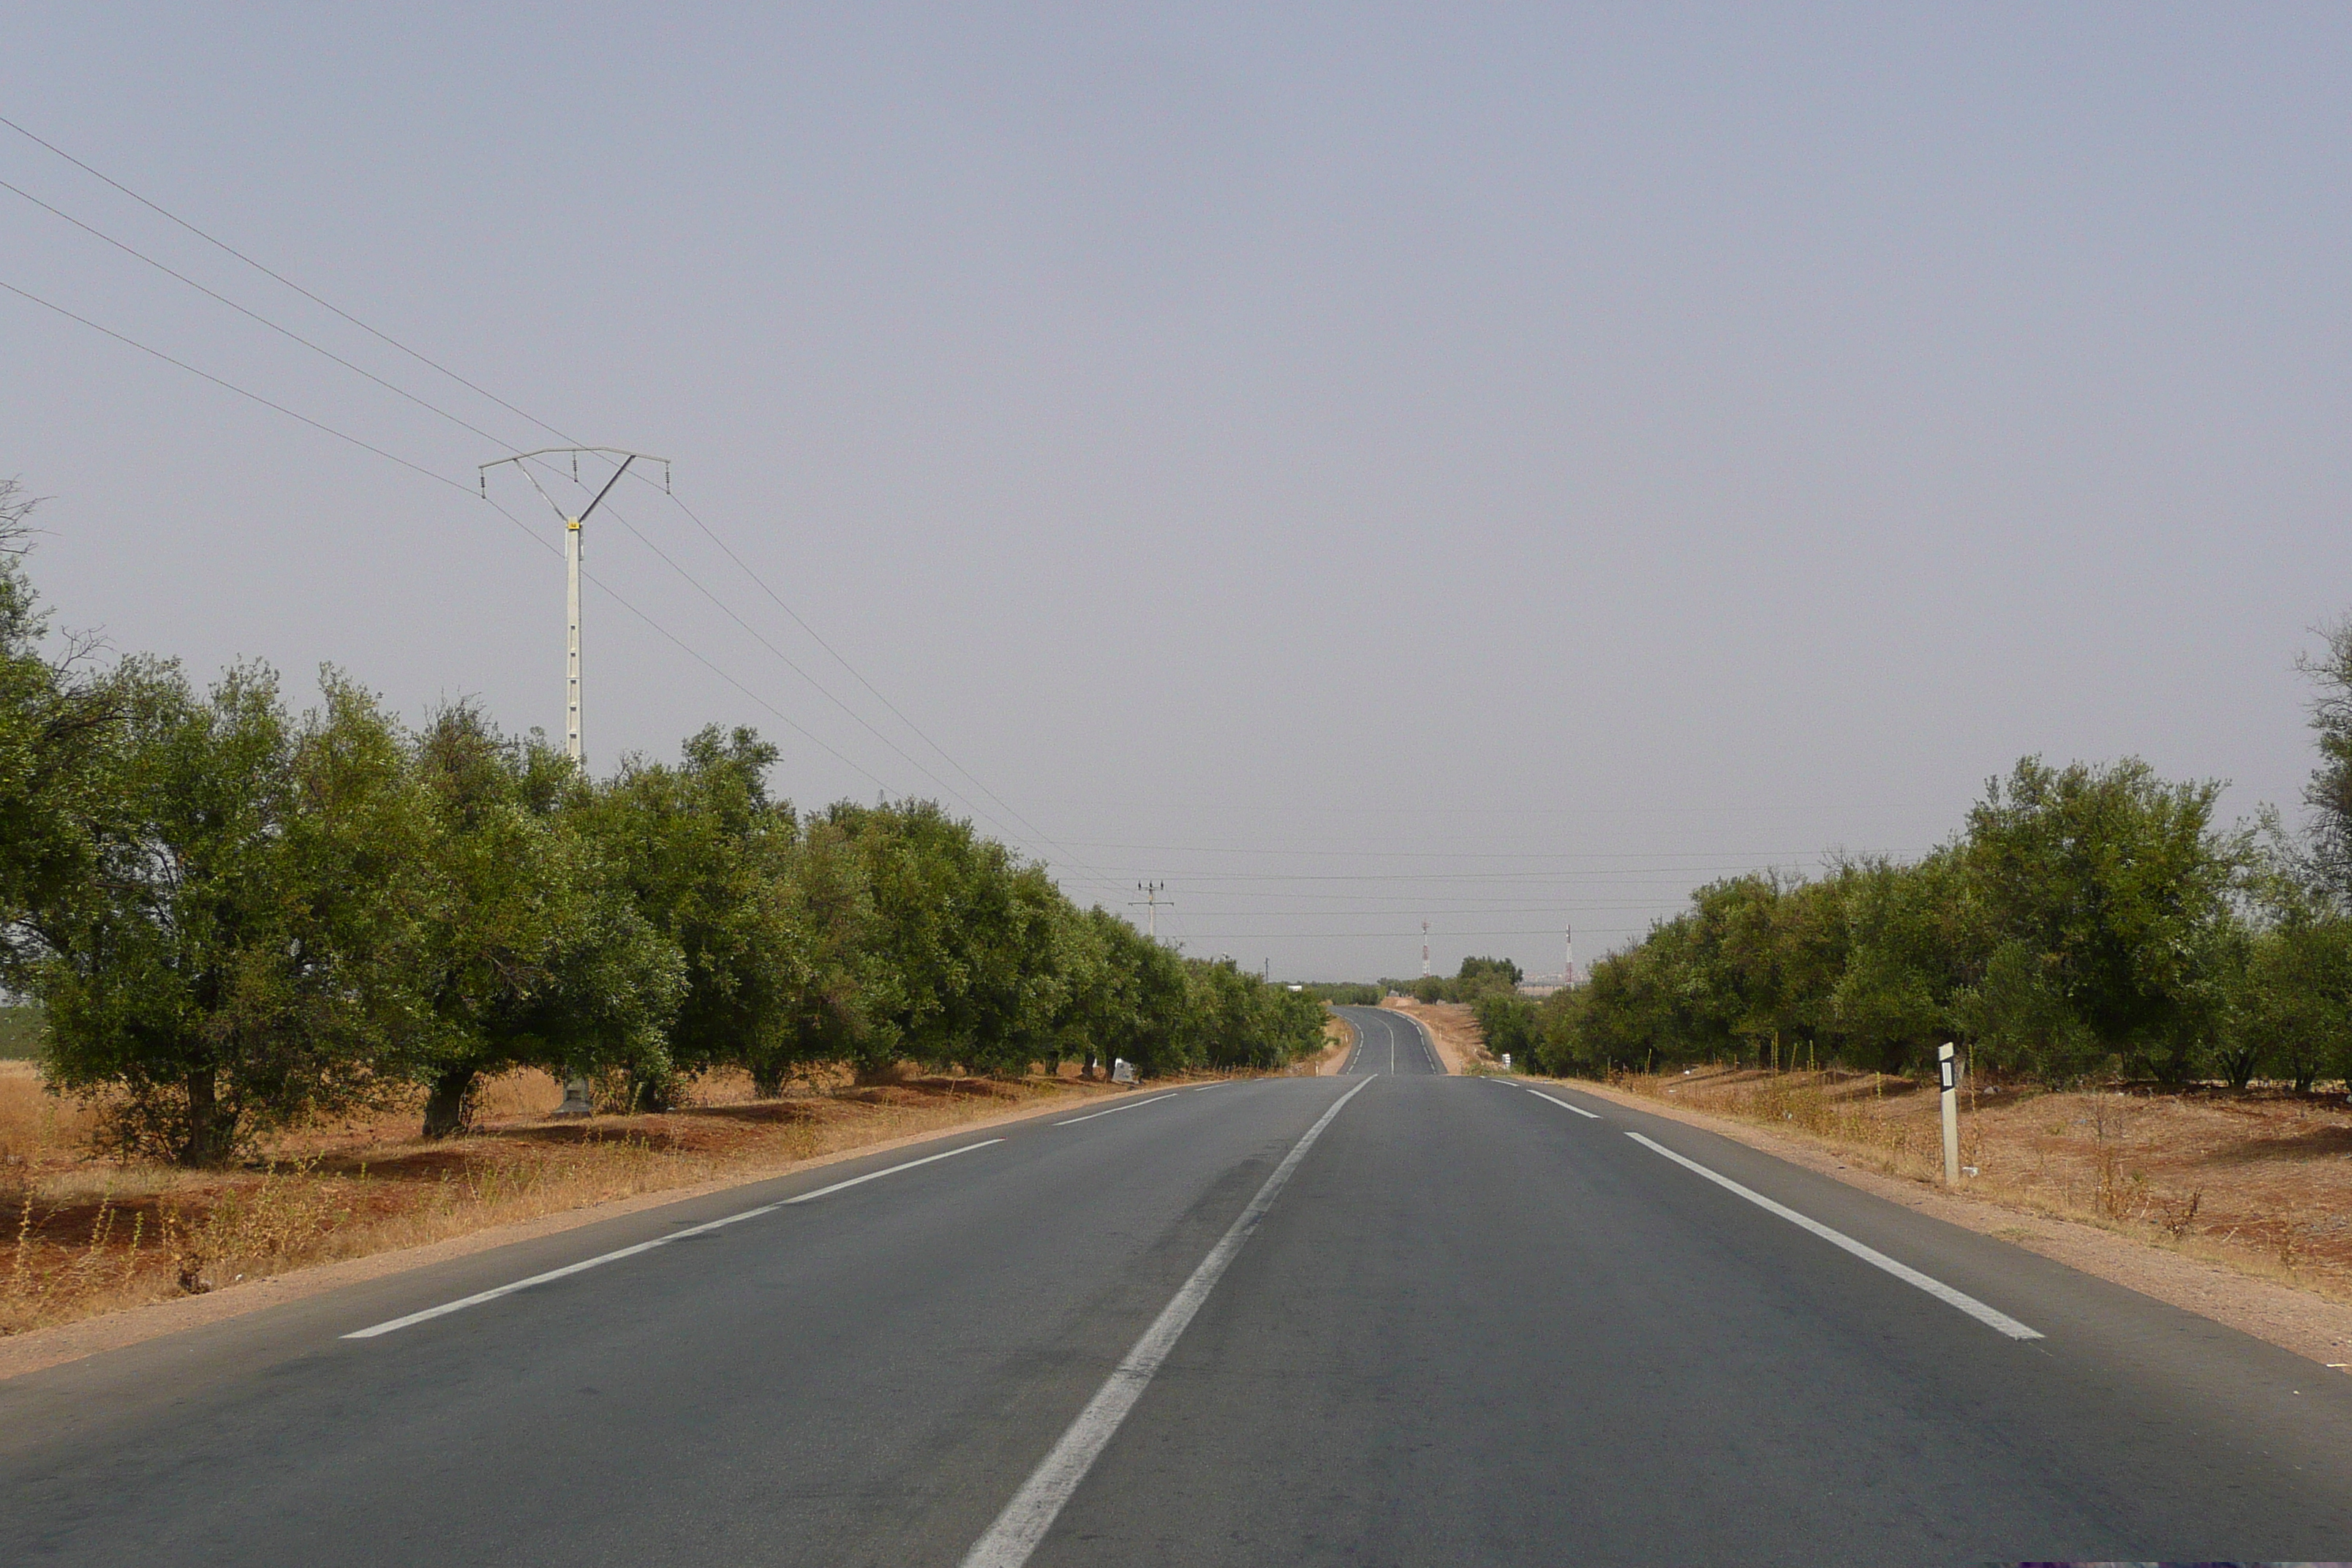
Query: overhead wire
{"x": 241, "y": 392}
{"x": 288, "y": 332}
{"x": 1095, "y": 873}
{"x": 1034, "y": 831}
{"x": 281, "y": 277}
{"x": 457, "y": 420}
{"x": 437, "y": 478}
{"x": 857, "y": 675}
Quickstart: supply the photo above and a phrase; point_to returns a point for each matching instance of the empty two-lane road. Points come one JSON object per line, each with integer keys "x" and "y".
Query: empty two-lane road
{"x": 1388, "y": 1042}
{"x": 1465, "y": 1323}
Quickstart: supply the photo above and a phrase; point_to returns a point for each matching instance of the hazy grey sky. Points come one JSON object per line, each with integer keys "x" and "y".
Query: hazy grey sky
{"x": 1356, "y": 465}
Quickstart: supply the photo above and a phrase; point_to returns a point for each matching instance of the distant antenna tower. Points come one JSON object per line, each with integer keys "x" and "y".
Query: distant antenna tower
{"x": 1425, "y": 948}
{"x": 1151, "y": 904}
{"x": 522, "y": 460}
{"x": 1568, "y": 967}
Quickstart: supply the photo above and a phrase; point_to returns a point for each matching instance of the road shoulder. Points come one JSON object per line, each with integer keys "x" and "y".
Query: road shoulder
{"x": 43, "y": 1348}
{"x": 2296, "y": 1320}
{"x": 1448, "y": 1028}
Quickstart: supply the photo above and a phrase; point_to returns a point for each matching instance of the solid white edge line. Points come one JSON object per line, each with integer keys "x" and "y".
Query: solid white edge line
{"x": 1017, "y": 1531}
{"x": 890, "y": 1170}
{"x": 1131, "y": 1105}
{"x": 445, "y": 1308}
{"x": 1991, "y": 1318}
{"x": 1588, "y": 1115}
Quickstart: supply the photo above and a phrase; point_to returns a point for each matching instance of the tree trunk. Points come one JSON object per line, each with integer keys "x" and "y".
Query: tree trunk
{"x": 768, "y": 1081}
{"x": 448, "y": 1110}
{"x": 651, "y": 1094}
{"x": 211, "y": 1130}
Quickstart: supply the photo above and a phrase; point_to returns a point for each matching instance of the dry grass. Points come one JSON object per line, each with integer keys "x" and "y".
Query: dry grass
{"x": 82, "y": 1236}
{"x": 2260, "y": 1180}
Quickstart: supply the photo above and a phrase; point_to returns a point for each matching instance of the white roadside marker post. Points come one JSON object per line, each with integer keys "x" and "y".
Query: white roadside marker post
{"x": 1949, "y": 1070}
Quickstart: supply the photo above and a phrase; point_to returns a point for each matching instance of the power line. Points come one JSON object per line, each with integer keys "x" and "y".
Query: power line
{"x": 788, "y": 662}
{"x": 232, "y": 386}
{"x": 444, "y": 370}
{"x": 256, "y": 315}
{"x": 453, "y": 418}
{"x": 278, "y": 278}
{"x": 438, "y": 479}
{"x": 856, "y": 674}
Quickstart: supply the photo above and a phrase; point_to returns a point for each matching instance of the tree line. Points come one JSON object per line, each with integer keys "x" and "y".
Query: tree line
{"x": 237, "y": 916}
{"x": 2087, "y": 921}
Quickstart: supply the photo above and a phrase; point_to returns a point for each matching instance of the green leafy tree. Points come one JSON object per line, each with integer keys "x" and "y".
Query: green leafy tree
{"x": 2329, "y": 793}
{"x": 705, "y": 855}
{"x": 1136, "y": 1007}
{"x": 2109, "y": 890}
{"x": 2291, "y": 1015}
{"x": 244, "y": 955}
{"x": 1911, "y": 946}
{"x": 946, "y": 987}
{"x": 1510, "y": 1024}
{"x": 55, "y": 718}
{"x": 535, "y": 954}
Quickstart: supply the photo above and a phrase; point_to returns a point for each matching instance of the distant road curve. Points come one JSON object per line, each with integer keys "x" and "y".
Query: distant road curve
{"x": 1388, "y": 1042}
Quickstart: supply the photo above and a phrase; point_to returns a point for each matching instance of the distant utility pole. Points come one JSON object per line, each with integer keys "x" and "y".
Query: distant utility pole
{"x": 521, "y": 461}
{"x": 576, "y": 1100}
{"x": 1151, "y": 903}
{"x": 1568, "y": 963}
{"x": 1425, "y": 948}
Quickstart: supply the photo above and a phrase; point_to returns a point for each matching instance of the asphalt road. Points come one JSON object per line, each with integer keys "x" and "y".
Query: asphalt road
{"x": 1388, "y": 1042}
{"x": 1466, "y": 1323}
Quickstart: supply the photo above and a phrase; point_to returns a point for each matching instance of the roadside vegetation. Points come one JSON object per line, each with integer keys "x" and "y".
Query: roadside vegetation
{"x": 22, "y": 1031}
{"x": 2153, "y": 1009}
{"x": 239, "y": 938}
{"x": 1345, "y": 993}
{"x": 2253, "y": 1179}
{"x": 2088, "y": 924}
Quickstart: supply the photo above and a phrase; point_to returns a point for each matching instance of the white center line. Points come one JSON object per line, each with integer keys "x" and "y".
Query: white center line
{"x": 1991, "y": 1318}
{"x": 1032, "y": 1511}
{"x": 1114, "y": 1111}
{"x": 598, "y": 1261}
{"x": 1589, "y": 1115}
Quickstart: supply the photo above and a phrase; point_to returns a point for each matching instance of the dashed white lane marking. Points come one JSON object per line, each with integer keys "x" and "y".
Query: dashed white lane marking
{"x": 1588, "y": 1115}
{"x": 445, "y": 1308}
{"x": 1024, "y": 1523}
{"x": 1991, "y": 1318}
{"x": 1114, "y": 1111}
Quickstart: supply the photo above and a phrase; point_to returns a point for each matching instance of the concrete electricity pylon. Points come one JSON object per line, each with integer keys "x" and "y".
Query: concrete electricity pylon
{"x": 522, "y": 460}
{"x": 576, "y": 1099}
{"x": 1568, "y": 964}
{"x": 1151, "y": 903}
{"x": 1425, "y": 948}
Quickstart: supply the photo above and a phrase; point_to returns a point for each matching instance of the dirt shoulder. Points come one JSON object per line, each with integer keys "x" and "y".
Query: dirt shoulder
{"x": 1342, "y": 1035}
{"x": 1461, "y": 1047}
{"x": 105, "y": 1256}
{"x": 2293, "y": 1318}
